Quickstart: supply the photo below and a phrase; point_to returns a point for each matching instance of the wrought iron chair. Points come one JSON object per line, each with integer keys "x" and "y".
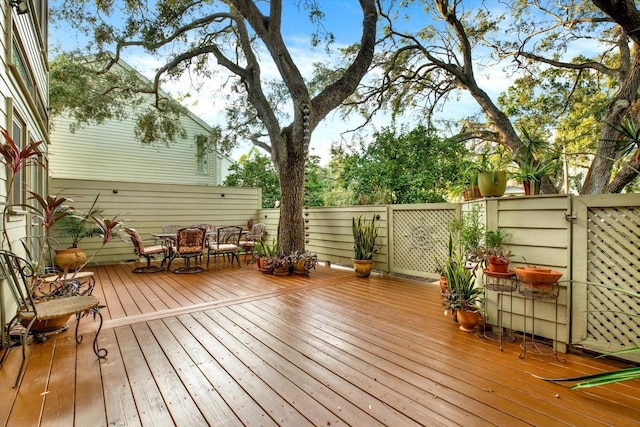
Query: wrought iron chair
{"x": 40, "y": 251}
{"x": 249, "y": 242}
{"x": 189, "y": 244}
{"x": 147, "y": 252}
{"x": 209, "y": 227}
{"x": 20, "y": 277}
{"x": 227, "y": 243}
{"x": 171, "y": 228}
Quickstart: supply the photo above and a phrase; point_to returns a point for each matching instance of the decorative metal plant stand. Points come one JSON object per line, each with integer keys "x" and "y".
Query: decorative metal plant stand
{"x": 550, "y": 293}
{"x": 501, "y": 283}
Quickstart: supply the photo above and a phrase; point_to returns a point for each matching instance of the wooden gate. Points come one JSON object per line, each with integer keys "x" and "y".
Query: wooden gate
{"x": 606, "y": 249}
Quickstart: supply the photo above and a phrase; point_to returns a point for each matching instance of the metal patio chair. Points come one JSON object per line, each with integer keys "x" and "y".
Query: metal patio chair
{"x": 147, "y": 252}
{"x": 227, "y": 243}
{"x": 32, "y": 314}
{"x": 249, "y": 242}
{"x": 189, "y": 245}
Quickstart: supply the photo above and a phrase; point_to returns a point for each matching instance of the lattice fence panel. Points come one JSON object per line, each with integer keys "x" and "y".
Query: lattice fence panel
{"x": 420, "y": 240}
{"x": 613, "y": 259}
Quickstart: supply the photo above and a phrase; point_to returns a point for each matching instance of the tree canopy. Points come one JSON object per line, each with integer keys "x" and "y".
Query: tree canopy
{"x": 403, "y": 166}
{"x": 428, "y": 66}
{"x": 237, "y": 37}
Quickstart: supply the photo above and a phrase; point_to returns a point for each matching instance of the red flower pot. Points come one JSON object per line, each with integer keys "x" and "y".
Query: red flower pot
{"x": 498, "y": 265}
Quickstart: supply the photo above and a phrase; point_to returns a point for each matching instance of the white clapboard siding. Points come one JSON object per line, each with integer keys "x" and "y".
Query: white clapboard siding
{"x": 19, "y": 99}
{"x": 111, "y": 152}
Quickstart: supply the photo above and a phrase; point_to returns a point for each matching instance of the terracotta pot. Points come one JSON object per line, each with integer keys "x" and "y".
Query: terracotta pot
{"x": 444, "y": 288}
{"x": 498, "y": 265}
{"x": 49, "y": 325}
{"x": 471, "y": 194}
{"x": 262, "y": 265}
{"x": 531, "y": 187}
{"x": 70, "y": 259}
{"x": 363, "y": 267}
{"x": 281, "y": 270}
{"x": 468, "y": 320}
{"x": 298, "y": 267}
{"x": 537, "y": 277}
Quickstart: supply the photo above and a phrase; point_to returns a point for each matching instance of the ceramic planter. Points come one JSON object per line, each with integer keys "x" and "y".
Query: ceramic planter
{"x": 492, "y": 184}
{"x": 468, "y": 320}
{"x": 363, "y": 267}
{"x": 471, "y": 193}
{"x": 531, "y": 187}
{"x": 70, "y": 259}
{"x": 497, "y": 265}
{"x": 537, "y": 277}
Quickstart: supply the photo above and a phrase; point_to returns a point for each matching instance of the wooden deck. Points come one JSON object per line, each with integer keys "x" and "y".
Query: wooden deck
{"x": 235, "y": 347}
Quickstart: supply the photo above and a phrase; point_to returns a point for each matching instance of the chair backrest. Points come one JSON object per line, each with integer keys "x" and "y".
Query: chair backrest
{"x": 208, "y": 227}
{"x": 257, "y": 231}
{"x": 20, "y": 276}
{"x": 138, "y": 244}
{"x": 190, "y": 240}
{"x": 40, "y": 250}
{"x": 229, "y": 234}
{"x": 171, "y": 228}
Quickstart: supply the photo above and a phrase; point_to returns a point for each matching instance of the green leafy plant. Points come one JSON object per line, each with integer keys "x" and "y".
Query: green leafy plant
{"x": 492, "y": 247}
{"x": 530, "y": 168}
{"x": 364, "y": 238}
{"x": 80, "y": 225}
{"x": 462, "y": 294}
{"x": 468, "y": 231}
{"x": 266, "y": 249}
{"x": 492, "y": 162}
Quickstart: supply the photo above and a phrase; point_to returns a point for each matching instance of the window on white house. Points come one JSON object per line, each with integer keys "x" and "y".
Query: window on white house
{"x": 18, "y": 134}
{"x": 202, "y": 156}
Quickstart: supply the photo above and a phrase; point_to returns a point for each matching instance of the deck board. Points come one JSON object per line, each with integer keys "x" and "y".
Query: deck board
{"x": 232, "y": 347}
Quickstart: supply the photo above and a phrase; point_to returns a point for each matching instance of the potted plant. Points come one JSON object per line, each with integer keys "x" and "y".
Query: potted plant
{"x": 76, "y": 225}
{"x": 280, "y": 264}
{"x": 463, "y": 297}
{"x": 531, "y": 170}
{"x": 442, "y": 267}
{"x": 492, "y": 174}
{"x": 468, "y": 232}
{"x": 492, "y": 255}
{"x": 264, "y": 253}
{"x": 304, "y": 262}
{"x": 364, "y": 244}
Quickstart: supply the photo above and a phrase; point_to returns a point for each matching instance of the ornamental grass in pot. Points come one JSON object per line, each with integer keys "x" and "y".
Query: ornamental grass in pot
{"x": 467, "y": 297}
{"x": 365, "y": 235}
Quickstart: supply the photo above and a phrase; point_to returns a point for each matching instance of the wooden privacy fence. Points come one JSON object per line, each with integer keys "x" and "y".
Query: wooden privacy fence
{"x": 588, "y": 239}
{"x": 147, "y": 207}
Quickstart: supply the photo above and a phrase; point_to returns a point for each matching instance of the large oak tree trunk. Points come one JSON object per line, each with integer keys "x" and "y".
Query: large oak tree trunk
{"x": 291, "y": 168}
